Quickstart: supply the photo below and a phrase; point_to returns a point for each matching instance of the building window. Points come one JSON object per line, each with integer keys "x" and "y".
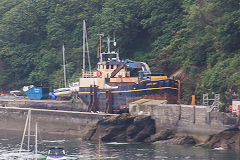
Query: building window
{"x": 111, "y": 66}
{"x": 107, "y": 66}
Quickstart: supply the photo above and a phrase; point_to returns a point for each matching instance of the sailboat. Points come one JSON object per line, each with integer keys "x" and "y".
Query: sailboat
{"x": 28, "y": 125}
{"x": 75, "y": 86}
{"x": 63, "y": 93}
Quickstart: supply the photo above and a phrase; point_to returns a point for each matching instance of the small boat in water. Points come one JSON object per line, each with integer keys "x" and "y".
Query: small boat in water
{"x": 56, "y": 153}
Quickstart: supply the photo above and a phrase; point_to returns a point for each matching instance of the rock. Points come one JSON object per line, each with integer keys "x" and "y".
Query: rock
{"x": 182, "y": 140}
{"x": 162, "y": 135}
{"x": 187, "y": 140}
{"x": 123, "y": 128}
{"x": 124, "y": 118}
{"x": 90, "y": 133}
{"x": 141, "y": 128}
{"x": 228, "y": 139}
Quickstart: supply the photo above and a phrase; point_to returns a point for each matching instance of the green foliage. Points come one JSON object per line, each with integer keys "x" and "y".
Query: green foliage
{"x": 202, "y": 37}
{"x": 222, "y": 78}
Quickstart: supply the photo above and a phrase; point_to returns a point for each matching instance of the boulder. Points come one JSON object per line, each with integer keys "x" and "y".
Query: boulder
{"x": 123, "y": 128}
{"x": 164, "y": 134}
{"x": 228, "y": 139}
{"x": 179, "y": 140}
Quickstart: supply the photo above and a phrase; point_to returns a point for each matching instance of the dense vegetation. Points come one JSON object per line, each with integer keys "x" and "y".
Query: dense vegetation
{"x": 200, "y": 36}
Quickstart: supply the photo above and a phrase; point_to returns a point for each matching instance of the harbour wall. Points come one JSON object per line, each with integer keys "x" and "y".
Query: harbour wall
{"x": 43, "y": 104}
{"x": 187, "y": 120}
{"x": 66, "y": 118}
{"x": 50, "y": 121}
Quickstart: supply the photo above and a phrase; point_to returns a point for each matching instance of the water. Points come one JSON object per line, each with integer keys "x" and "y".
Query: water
{"x": 87, "y": 150}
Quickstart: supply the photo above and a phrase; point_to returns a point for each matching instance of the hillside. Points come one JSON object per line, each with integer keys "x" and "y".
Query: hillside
{"x": 200, "y": 37}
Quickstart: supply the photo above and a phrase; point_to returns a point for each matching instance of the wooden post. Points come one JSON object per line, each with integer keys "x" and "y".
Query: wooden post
{"x": 194, "y": 114}
{"x": 180, "y": 112}
{"x": 99, "y": 146}
{"x": 179, "y": 92}
{"x": 91, "y": 99}
{"x": 95, "y": 100}
{"x": 109, "y": 102}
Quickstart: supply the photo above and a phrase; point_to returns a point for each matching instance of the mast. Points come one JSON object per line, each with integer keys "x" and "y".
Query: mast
{"x": 100, "y": 46}
{"x": 89, "y": 64}
{"x": 84, "y": 38}
{"x": 85, "y": 46}
{"x": 24, "y": 131}
{"x": 108, "y": 41}
{"x": 64, "y": 67}
{"x": 36, "y": 144}
{"x": 27, "y": 125}
{"x": 29, "y": 128}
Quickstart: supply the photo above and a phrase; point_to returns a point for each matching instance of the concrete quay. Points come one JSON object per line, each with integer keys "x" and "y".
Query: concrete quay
{"x": 186, "y": 120}
{"x": 43, "y": 104}
{"x": 53, "y": 117}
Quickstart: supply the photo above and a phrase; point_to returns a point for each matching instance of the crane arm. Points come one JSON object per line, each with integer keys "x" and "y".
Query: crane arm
{"x": 131, "y": 64}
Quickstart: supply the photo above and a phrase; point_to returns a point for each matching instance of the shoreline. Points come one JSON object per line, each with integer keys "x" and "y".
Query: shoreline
{"x": 146, "y": 122}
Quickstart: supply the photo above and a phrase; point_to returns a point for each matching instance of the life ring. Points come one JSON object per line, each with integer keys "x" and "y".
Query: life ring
{"x": 99, "y": 73}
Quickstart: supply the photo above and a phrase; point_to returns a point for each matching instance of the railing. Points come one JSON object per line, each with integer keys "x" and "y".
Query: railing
{"x": 88, "y": 75}
{"x": 215, "y": 105}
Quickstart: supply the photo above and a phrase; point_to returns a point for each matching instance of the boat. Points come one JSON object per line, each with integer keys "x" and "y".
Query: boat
{"x": 15, "y": 93}
{"x": 56, "y": 153}
{"x": 115, "y": 83}
{"x": 63, "y": 93}
{"x": 27, "y": 128}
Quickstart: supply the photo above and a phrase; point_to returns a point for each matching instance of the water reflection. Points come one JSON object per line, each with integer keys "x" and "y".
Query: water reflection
{"x": 79, "y": 149}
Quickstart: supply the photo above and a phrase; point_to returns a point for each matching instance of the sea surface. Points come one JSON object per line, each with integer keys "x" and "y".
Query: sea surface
{"x": 77, "y": 148}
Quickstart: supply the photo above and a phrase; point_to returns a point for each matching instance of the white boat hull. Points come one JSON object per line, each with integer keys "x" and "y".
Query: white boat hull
{"x": 63, "y": 92}
{"x": 62, "y": 158}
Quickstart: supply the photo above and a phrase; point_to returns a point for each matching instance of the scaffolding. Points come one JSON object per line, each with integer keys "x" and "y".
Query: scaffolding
{"x": 215, "y": 100}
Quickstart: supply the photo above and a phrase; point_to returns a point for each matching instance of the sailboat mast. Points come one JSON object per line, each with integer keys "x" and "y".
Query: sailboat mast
{"x": 29, "y": 128}
{"x": 85, "y": 46}
{"x": 89, "y": 63}
{"x": 84, "y": 40}
{"x": 36, "y": 144}
{"x": 64, "y": 67}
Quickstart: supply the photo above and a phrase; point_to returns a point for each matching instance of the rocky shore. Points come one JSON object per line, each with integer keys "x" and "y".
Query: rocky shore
{"x": 229, "y": 139}
{"x": 127, "y": 128}
{"x": 122, "y": 128}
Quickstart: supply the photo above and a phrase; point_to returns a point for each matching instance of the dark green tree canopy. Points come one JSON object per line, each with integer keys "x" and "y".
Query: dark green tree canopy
{"x": 200, "y": 36}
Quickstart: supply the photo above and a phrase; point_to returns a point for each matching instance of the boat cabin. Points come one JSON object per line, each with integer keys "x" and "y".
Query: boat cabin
{"x": 114, "y": 72}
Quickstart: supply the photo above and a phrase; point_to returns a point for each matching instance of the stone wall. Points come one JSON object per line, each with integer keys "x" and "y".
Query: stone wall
{"x": 49, "y": 121}
{"x": 185, "y": 119}
{"x": 44, "y": 104}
